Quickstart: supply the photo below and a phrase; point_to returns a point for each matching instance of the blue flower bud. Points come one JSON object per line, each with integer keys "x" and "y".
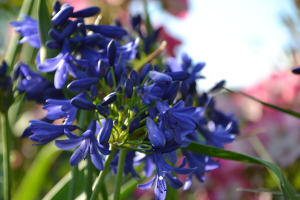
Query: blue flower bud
{"x": 134, "y": 124}
{"x": 118, "y": 90}
{"x": 55, "y": 35}
{"x": 171, "y": 90}
{"x": 83, "y": 104}
{"x": 189, "y": 101}
{"x": 92, "y": 39}
{"x": 102, "y": 69}
{"x": 179, "y": 76}
{"x": 139, "y": 91}
{"x": 110, "y": 79}
{"x": 82, "y": 28}
{"x": 16, "y": 71}
{"x": 184, "y": 90}
{"x": 107, "y": 110}
{"x": 53, "y": 44}
{"x": 155, "y": 135}
{"x": 94, "y": 92}
{"x": 128, "y": 88}
{"x": 3, "y": 69}
{"x": 219, "y": 86}
{"x": 116, "y": 123}
{"x": 81, "y": 75}
{"x": 86, "y": 12}
{"x": 161, "y": 79}
{"x": 135, "y": 77}
{"x": 171, "y": 99}
{"x": 124, "y": 77}
{"x": 111, "y": 52}
{"x": 134, "y": 110}
{"x": 121, "y": 109}
{"x": 82, "y": 84}
{"x": 102, "y": 111}
{"x": 70, "y": 28}
{"x": 123, "y": 127}
{"x": 56, "y": 7}
{"x": 136, "y": 22}
{"x": 152, "y": 112}
{"x": 105, "y": 132}
{"x": 296, "y": 70}
{"x": 109, "y": 99}
{"x": 108, "y": 31}
{"x": 62, "y": 16}
{"x": 147, "y": 68}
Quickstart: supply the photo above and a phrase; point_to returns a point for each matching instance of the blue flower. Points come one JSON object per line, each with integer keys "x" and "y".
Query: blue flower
{"x": 43, "y": 132}
{"x": 161, "y": 79}
{"x": 29, "y": 29}
{"x": 89, "y": 146}
{"x": 202, "y": 163}
{"x": 62, "y": 63}
{"x": 178, "y": 118}
{"x": 37, "y": 88}
{"x": 163, "y": 174}
{"x": 151, "y": 93}
{"x": 62, "y": 109}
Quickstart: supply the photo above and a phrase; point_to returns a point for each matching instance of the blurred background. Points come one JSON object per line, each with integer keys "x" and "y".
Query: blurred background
{"x": 252, "y": 44}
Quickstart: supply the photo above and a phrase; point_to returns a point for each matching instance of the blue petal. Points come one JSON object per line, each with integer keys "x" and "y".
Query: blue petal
{"x": 105, "y": 132}
{"x": 79, "y": 154}
{"x": 68, "y": 144}
{"x": 147, "y": 185}
{"x": 81, "y": 84}
{"x": 173, "y": 181}
{"x": 161, "y": 79}
{"x": 155, "y": 135}
{"x": 61, "y": 74}
{"x": 96, "y": 157}
{"x": 83, "y": 104}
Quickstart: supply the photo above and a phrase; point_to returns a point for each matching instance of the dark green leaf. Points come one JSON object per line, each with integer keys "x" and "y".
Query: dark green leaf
{"x": 287, "y": 189}
{"x": 44, "y": 26}
{"x": 287, "y": 111}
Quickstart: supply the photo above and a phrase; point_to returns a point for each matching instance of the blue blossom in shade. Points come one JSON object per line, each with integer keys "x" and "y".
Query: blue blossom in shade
{"x": 151, "y": 93}
{"x": 108, "y": 31}
{"x": 136, "y": 22}
{"x": 171, "y": 91}
{"x": 178, "y": 76}
{"x": 202, "y": 163}
{"x": 134, "y": 124}
{"x": 94, "y": 92}
{"x": 216, "y": 136}
{"x": 62, "y": 109}
{"x": 83, "y": 104}
{"x": 29, "y": 30}
{"x": 105, "y": 132}
{"x": 89, "y": 146}
{"x": 178, "y": 118}
{"x": 135, "y": 77}
{"x": 219, "y": 86}
{"x": 43, "y": 132}
{"x": 109, "y": 99}
{"x": 163, "y": 174}
{"x": 189, "y": 101}
{"x": 155, "y": 135}
{"x": 128, "y": 88}
{"x": 139, "y": 91}
{"x": 147, "y": 68}
{"x": 131, "y": 160}
{"x": 36, "y": 87}
{"x": 62, "y": 63}
{"x": 150, "y": 40}
{"x": 296, "y": 70}
{"x": 82, "y": 84}
{"x": 86, "y": 12}
{"x": 102, "y": 111}
{"x": 124, "y": 53}
{"x": 220, "y": 118}
{"x": 102, "y": 69}
{"x": 161, "y": 79}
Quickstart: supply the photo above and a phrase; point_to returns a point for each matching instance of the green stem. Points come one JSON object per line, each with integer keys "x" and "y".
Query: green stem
{"x": 72, "y": 187}
{"x": 6, "y": 164}
{"x": 104, "y": 85}
{"x": 88, "y": 178}
{"x": 99, "y": 181}
{"x": 104, "y": 192}
{"x": 113, "y": 76}
{"x": 121, "y": 163}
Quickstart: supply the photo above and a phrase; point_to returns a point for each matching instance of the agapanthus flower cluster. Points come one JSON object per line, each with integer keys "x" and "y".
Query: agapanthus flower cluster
{"x": 153, "y": 111}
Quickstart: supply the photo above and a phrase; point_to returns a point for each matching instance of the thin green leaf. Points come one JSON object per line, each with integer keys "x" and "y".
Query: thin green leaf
{"x": 287, "y": 111}
{"x": 44, "y": 26}
{"x": 37, "y": 173}
{"x": 262, "y": 191}
{"x": 287, "y": 189}
{"x": 14, "y": 47}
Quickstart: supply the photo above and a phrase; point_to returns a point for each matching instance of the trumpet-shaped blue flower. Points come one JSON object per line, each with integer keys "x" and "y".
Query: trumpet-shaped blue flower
{"x": 43, "y": 132}
{"x": 62, "y": 63}
{"x": 62, "y": 109}
{"x": 37, "y": 88}
{"x": 29, "y": 29}
{"x": 151, "y": 93}
{"x": 89, "y": 146}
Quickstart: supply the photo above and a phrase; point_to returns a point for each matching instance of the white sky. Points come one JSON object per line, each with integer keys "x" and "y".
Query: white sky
{"x": 241, "y": 41}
